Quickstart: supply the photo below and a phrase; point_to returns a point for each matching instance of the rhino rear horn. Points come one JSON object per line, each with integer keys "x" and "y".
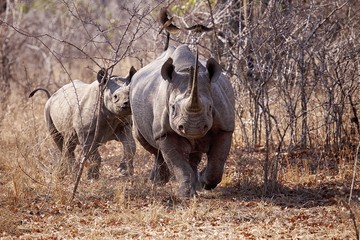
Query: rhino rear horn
{"x": 167, "y": 69}
{"x": 214, "y": 69}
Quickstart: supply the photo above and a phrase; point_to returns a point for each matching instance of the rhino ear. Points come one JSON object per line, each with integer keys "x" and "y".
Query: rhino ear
{"x": 132, "y": 71}
{"x": 214, "y": 69}
{"x": 167, "y": 69}
{"x": 101, "y": 75}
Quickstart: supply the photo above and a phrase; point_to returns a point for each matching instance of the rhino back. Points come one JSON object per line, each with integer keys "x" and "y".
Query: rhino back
{"x": 64, "y": 105}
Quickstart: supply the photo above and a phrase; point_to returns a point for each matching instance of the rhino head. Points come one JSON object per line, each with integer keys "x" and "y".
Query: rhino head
{"x": 116, "y": 92}
{"x": 190, "y": 104}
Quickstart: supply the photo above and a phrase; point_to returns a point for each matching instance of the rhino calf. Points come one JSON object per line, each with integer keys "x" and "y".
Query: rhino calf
{"x": 182, "y": 109}
{"x": 71, "y": 116}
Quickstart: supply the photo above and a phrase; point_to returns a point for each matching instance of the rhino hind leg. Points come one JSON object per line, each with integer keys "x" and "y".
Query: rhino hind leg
{"x": 69, "y": 154}
{"x": 211, "y": 175}
{"x": 57, "y": 137}
{"x": 194, "y": 160}
{"x": 160, "y": 173}
{"x": 60, "y": 143}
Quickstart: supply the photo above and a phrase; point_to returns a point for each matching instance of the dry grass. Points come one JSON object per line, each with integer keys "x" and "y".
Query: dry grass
{"x": 309, "y": 202}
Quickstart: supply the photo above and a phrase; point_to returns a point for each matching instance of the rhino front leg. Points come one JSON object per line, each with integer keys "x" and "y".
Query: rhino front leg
{"x": 211, "y": 175}
{"x": 89, "y": 151}
{"x": 194, "y": 160}
{"x": 176, "y": 152}
{"x": 129, "y": 148}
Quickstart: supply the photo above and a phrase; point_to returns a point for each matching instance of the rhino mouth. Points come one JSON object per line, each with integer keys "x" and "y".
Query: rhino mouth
{"x": 192, "y": 132}
{"x": 124, "y": 110}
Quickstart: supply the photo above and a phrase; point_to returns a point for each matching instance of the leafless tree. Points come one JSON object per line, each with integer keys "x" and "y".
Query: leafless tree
{"x": 294, "y": 65}
{"x": 80, "y": 39}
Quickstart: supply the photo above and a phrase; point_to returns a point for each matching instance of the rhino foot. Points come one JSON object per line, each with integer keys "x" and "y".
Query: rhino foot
{"x": 126, "y": 168}
{"x": 186, "y": 191}
{"x": 209, "y": 186}
{"x": 206, "y": 184}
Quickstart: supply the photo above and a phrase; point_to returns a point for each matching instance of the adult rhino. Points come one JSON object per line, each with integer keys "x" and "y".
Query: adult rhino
{"x": 71, "y": 116}
{"x": 182, "y": 109}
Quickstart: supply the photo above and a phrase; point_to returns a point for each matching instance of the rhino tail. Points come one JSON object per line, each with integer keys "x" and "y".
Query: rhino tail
{"x": 42, "y": 89}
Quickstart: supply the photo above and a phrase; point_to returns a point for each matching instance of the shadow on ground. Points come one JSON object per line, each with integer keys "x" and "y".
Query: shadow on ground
{"x": 324, "y": 194}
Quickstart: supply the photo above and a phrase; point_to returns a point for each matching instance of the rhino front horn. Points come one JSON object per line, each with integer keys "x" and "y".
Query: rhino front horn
{"x": 194, "y": 104}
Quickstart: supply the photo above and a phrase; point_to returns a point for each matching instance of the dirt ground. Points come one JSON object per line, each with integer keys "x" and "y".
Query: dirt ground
{"x": 302, "y": 206}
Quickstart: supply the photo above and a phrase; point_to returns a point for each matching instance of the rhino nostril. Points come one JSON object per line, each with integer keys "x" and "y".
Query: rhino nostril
{"x": 181, "y": 127}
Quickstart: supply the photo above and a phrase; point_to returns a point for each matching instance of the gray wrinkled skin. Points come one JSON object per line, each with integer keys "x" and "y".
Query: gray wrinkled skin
{"x": 71, "y": 116}
{"x": 177, "y": 124}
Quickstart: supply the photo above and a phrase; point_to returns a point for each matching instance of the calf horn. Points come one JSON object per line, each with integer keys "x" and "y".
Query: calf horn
{"x": 194, "y": 95}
